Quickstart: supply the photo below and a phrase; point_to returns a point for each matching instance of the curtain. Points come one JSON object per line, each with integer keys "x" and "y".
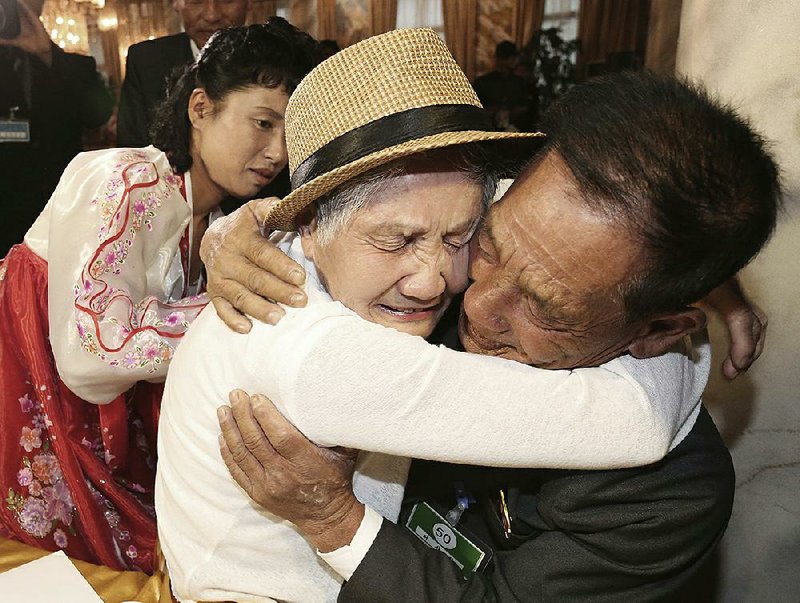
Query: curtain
{"x": 611, "y": 27}
{"x": 382, "y": 15}
{"x": 111, "y": 61}
{"x": 662, "y": 35}
{"x": 460, "y": 25}
{"x": 326, "y": 19}
{"x": 261, "y": 10}
{"x": 527, "y": 19}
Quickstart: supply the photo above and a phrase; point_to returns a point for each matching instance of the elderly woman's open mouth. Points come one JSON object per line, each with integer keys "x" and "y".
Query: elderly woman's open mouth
{"x": 411, "y": 312}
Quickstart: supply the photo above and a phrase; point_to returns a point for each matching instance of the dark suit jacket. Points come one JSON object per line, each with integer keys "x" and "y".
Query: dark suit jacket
{"x": 608, "y": 536}
{"x": 59, "y": 101}
{"x": 147, "y": 70}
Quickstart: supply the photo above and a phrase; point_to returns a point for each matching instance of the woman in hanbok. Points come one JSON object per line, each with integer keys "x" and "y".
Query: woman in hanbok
{"x": 108, "y": 279}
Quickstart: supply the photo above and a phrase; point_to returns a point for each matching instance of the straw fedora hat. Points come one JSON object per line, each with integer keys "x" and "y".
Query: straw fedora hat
{"x": 389, "y": 96}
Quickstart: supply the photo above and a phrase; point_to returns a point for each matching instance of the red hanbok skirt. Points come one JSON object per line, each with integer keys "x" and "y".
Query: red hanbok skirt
{"x": 75, "y": 476}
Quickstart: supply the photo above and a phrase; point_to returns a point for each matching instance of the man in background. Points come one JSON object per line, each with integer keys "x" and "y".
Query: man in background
{"x": 150, "y": 63}
{"x": 503, "y": 93}
{"x": 49, "y": 97}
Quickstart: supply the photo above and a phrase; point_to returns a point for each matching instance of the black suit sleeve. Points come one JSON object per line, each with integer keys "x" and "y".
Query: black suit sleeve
{"x": 607, "y": 536}
{"x": 132, "y": 121}
{"x": 81, "y": 81}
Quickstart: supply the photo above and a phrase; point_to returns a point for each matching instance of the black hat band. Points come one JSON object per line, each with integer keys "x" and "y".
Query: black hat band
{"x": 387, "y": 132}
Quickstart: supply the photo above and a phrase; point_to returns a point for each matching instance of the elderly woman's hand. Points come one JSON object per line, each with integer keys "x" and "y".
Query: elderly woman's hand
{"x": 289, "y": 476}
{"x": 246, "y": 273}
{"x": 746, "y": 324}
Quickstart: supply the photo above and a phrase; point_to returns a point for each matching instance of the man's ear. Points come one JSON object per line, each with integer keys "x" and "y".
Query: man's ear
{"x": 307, "y": 228}
{"x": 199, "y": 108}
{"x": 661, "y": 333}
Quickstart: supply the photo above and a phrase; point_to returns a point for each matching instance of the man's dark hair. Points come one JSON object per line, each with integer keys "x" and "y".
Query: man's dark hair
{"x": 686, "y": 175}
{"x": 272, "y": 54}
{"x": 505, "y": 50}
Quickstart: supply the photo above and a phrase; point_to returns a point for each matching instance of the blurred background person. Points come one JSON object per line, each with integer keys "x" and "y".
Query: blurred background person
{"x": 326, "y": 49}
{"x": 503, "y": 93}
{"x": 150, "y": 63}
{"x": 58, "y": 95}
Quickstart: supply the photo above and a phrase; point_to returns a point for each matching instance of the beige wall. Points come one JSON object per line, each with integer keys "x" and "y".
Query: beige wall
{"x": 749, "y": 52}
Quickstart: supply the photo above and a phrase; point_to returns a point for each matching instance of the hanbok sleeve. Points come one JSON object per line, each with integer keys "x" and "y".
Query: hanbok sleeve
{"x": 115, "y": 271}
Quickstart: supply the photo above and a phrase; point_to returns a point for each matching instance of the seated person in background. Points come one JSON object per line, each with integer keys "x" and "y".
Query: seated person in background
{"x": 503, "y": 93}
{"x": 646, "y": 195}
{"x": 150, "y": 63}
{"x": 209, "y": 549}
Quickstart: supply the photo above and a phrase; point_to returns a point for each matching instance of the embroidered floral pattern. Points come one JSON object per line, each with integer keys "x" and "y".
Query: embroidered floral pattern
{"x": 149, "y": 355}
{"x": 135, "y": 334}
{"x": 26, "y": 404}
{"x": 25, "y": 476}
{"x": 43, "y": 503}
{"x": 30, "y": 438}
{"x": 33, "y": 517}
{"x": 114, "y": 521}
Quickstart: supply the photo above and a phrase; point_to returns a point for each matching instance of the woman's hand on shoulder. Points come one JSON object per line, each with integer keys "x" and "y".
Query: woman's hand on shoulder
{"x": 247, "y": 274}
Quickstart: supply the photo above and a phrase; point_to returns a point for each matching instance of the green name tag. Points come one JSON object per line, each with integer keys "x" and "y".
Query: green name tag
{"x": 433, "y": 529}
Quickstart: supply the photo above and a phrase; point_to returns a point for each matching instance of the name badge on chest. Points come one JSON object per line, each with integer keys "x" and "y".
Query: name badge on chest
{"x": 15, "y": 130}
{"x": 434, "y": 530}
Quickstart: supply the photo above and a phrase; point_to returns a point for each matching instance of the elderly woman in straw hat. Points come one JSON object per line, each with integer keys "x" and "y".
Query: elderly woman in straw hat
{"x": 387, "y": 191}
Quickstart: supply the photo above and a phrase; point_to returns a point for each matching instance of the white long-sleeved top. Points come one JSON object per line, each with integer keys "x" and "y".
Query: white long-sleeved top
{"x": 345, "y": 381}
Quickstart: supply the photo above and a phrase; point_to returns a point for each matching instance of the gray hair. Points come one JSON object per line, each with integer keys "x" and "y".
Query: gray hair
{"x": 336, "y": 209}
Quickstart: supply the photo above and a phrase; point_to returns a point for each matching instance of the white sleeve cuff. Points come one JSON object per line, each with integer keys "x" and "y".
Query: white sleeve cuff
{"x": 346, "y": 559}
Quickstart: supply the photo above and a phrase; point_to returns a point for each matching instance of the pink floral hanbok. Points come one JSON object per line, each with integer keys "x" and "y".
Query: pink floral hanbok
{"x": 92, "y": 305}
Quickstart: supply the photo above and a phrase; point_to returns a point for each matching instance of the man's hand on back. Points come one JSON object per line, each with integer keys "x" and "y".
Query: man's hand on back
{"x": 291, "y": 477}
{"x": 246, "y": 273}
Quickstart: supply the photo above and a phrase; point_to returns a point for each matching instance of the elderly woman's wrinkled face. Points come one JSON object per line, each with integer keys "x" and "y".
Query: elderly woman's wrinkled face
{"x": 399, "y": 261}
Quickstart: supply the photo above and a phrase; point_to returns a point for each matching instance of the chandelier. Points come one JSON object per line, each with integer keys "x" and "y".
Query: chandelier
{"x": 66, "y": 21}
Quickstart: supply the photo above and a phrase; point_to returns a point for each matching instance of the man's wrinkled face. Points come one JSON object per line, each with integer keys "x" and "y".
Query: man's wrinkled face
{"x": 547, "y": 272}
{"x": 400, "y": 260}
{"x": 201, "y": 18}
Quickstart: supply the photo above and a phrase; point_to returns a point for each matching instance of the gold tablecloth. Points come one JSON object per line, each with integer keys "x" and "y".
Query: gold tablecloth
{"x": 111, "y": 585}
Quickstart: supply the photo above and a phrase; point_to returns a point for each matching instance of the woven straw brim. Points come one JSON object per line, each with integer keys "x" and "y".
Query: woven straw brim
{"x": 282, "y": 215}
{"x": 377, "y": 77}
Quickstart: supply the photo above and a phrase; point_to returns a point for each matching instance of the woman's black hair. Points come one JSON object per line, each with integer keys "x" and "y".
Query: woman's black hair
{"x": 273, "y": 54}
